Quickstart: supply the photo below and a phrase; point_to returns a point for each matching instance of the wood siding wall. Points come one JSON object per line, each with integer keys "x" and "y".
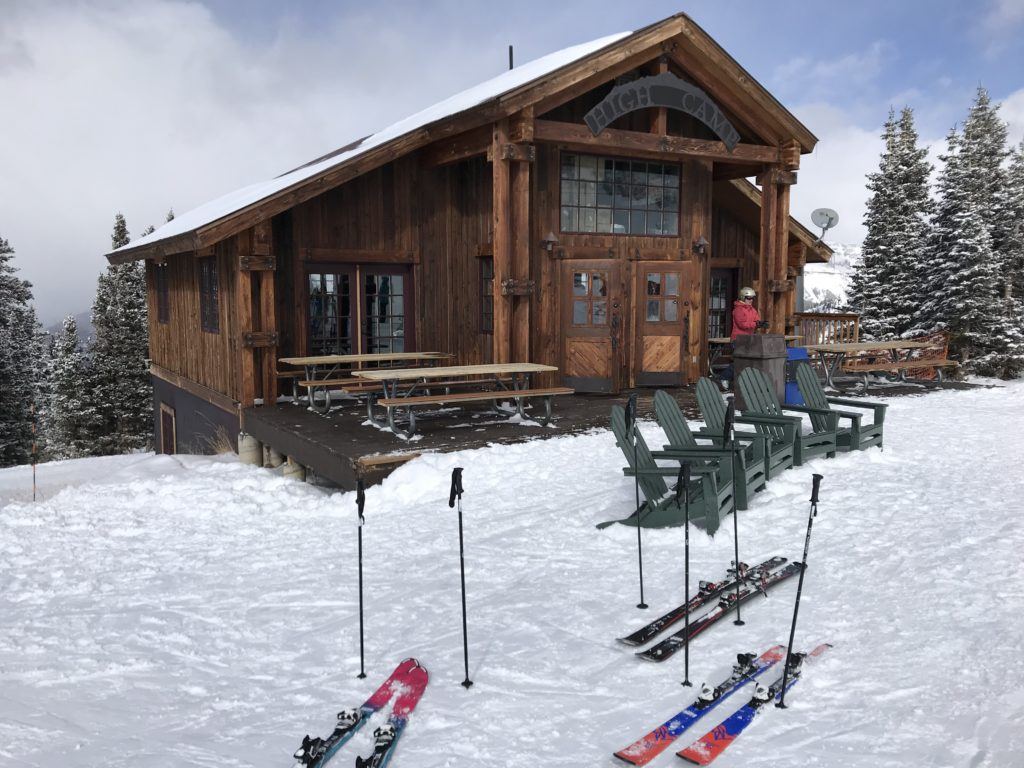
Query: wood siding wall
{"x": 181, "y": 345}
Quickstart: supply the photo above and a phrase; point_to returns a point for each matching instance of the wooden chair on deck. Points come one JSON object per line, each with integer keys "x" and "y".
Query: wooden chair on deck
{"x": 779, "y": 451}
{"x": 856, "y": 437}
{"x": 761, "y": 401}
{"x": 711, "y": 486}
{"x": 748, "y": 461}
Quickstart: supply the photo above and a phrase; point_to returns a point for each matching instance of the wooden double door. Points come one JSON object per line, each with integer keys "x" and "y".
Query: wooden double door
{"x": 624, "y": 323}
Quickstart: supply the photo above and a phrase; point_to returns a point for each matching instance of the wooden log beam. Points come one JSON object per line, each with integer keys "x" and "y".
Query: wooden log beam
{"x": 472, "y": 143}
{"x": 211, "y": 396}
{"x": 246, "y": 356}
{"x": 779, "y": 259}
{"x": 502, "y": 243}
{"x": 268, "y": 322}
{"x": 765, "y": 254}
{"x": 520, "y": 228}
{"x": 364, "y": 256}
{"x": 578, "y": 135}
{"x": 659, "y": 115}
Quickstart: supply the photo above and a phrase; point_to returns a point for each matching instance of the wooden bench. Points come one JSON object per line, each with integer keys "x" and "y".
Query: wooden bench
{"x": 392, "y": 404}
{"x": 900, "y": 367}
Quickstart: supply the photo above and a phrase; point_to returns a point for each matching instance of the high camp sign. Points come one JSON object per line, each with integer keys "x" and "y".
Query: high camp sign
{"x": 664, "y": 90}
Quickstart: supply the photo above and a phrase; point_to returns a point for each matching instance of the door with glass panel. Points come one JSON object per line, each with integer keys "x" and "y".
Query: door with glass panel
{"x": 592, "y": 317}
{"x": 387, "y": 309}
{"x": 330, "y": 311}
{"x": 663, "y": 318}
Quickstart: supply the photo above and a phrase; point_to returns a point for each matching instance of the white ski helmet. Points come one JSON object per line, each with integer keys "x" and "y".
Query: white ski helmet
{"x": 747, "y": 292}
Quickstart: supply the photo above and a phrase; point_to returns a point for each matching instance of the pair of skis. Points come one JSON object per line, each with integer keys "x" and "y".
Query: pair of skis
{"x": 405, "y": 685}
{"x": 717, "y": 740}
{"x": 757, "y": 580}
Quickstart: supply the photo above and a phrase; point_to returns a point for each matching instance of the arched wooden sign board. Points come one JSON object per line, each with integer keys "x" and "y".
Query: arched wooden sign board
{"x": 664, "y": 90}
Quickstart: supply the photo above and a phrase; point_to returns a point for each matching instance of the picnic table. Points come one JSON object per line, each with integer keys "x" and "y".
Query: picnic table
{"x": 880, "y": 356}
{"x": 718, "y": 345}
{"x": 326, "y": 372}
{"x": 489, "y": 382}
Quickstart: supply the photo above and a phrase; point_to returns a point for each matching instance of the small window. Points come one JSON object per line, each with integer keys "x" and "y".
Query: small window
{"x": 590, "y": 299}
{"x": 662, "y": 297}
{"x": 487, "y": 294}
{"x": 163, "y": 302}
{"x": 620, "y": 197}
{"x": 209, "y": 295}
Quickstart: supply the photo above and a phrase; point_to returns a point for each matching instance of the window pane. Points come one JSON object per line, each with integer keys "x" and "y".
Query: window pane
{"x": 653, "y": 311}
{"x": 588, "y": 167}
{"x": 598, "y": 288}
{"x": 638, "y": 196}
{"x": 639, "y": 173}
{"x": 672, "y": 310}
{"x": 655, "y": 198}
{"x": 570, "y": 192}
{"x": 580, "y": 312}
{"x": 672, "y": 176}
{"x": 568, "y": 166}
{"x": 605, "y": 194}
{"x": 637, "y": 222}
{"x": 600, "y": 313}
{"x": 621, "y": 199}
{"x": 621, "y": 171}
{"x": 670, "y": 223}
{"x": 569, "y": 219}
{"x": 588, "y": 193}
{"x": 620, "y": 222}
{"x": 671, "y": 199}
{"x": 605, "y": 169}
{"x": 654, "y": 223}
{"x": 672, "y": 284}
{"x": 653, "y": 284}
{"x": 654, "y": 174}
{"x": 579, "y": 283}
{"x": 588, "y": 219}
{"x": 604, "y": 220}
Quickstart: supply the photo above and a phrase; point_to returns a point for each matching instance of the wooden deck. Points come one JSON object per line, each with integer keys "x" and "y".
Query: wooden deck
{"x": 340, "y": 447}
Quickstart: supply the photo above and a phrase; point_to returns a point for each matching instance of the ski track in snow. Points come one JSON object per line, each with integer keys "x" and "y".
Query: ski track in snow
{"x": 169, "y": 611}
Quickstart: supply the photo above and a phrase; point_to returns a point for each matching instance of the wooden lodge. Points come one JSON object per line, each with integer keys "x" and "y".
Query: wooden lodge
{"x": 589, "y": 210}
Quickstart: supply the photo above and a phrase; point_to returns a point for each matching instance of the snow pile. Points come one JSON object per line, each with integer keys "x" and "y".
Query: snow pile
{"x": 193, "y": 611}
{"x": 825, "y": 285}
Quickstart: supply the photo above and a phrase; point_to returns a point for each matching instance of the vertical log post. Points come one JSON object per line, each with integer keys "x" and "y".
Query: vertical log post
{"x": 780, "y": 259}
{"x": 502, "y": 338}
{"x": 766, "y": 253}
{"x": 262, "y": 246}
{"x": 243, "y": 321}
{"x": 521, "y": 245}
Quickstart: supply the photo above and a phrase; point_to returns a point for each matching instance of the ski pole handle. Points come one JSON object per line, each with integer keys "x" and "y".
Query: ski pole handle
{"x": 631, "y": 412}
{"x": 360, "y": 498}
{"x": 683, "y": 481}
{"x": 730, "y": 417}
{"x": 456, "y": 491}
{"x": 815, "y": 485}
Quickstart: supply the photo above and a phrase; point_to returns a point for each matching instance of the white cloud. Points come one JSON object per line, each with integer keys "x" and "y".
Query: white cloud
{"x": 998, "y": 25}
{"x": 136, "y": 107}
{"x": 1012, "y": 111}
{"x": 820, "y": 78}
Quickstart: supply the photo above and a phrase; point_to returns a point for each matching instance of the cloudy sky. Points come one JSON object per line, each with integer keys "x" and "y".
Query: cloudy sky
{"x": 144, "y": 105}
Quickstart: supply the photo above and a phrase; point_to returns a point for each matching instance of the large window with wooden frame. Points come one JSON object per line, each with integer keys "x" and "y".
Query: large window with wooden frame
{"x": 487, "y": 294}
{"x": 163, "y": 302}
{"x": 662, "y": 297}
{"x": 590, "y": 298}
{"x": 616, "y": 196}
{"x": 720, "y": 298}
{"x": 209, "y": 295}
{"x": 330, "y": 313}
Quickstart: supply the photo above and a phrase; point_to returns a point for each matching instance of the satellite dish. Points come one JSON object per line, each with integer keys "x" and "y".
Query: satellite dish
{"x": 825, "y": 218}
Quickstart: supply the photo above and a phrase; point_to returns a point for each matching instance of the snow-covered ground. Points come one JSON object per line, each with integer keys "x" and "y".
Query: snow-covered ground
{"x": 171, "y": 611}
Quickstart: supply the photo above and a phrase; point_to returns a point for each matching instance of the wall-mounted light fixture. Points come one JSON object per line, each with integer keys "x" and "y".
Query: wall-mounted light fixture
{"x": 700, "y": 245}
{"x": 549, "y": 242}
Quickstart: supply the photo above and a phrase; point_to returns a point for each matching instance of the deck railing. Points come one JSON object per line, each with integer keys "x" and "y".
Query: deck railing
{"x": 827, "y": 327}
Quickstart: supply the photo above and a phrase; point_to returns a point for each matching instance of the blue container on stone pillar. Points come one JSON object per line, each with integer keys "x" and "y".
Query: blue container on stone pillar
{"x": 794, "y": 355}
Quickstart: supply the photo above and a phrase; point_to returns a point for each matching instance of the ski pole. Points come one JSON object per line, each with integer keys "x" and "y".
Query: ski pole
{"x": 730, "y": 417}
{"x": 360, "y": 502}
{"x": 456, "y": 494}
{"x": 631, "y": 430}
{"x": 683, "y": 487}
{"x": 816, "y": 483}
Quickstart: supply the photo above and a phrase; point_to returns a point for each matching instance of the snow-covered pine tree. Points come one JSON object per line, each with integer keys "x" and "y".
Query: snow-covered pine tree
{"x": 884, "y": 284}
{"x": 866, "y": 295}
{"x": 43, "y": 391}
{"x": 18, "y": 353}
{"x": 963, "y": 270}
{"x": 72, "y": 419}
{"x": 120, "y": 388}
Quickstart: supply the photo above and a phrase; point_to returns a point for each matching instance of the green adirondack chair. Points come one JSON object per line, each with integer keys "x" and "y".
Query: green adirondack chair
{"x": 856, "y": 437}
{"x": 748, "y": 460}
{"x": 760, "y": 400}
{"x": 779, "y": 451}
{"x": 711, "y": 487}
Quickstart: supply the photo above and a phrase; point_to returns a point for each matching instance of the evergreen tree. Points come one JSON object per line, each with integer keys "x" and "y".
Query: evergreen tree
{"x": 884, "y": 286}
{"x": 18, "y": 360}
{"x": 71, "y": 424}
{"x": 43, "y": 392}
{"x": 120, "y": 388}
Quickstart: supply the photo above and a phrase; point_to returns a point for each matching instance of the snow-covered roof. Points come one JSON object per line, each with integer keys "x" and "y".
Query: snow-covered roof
{"x": 460, "y": 102}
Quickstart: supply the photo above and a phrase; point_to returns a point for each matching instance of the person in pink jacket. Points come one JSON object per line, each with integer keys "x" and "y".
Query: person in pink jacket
{"x": 745, "y": 316}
